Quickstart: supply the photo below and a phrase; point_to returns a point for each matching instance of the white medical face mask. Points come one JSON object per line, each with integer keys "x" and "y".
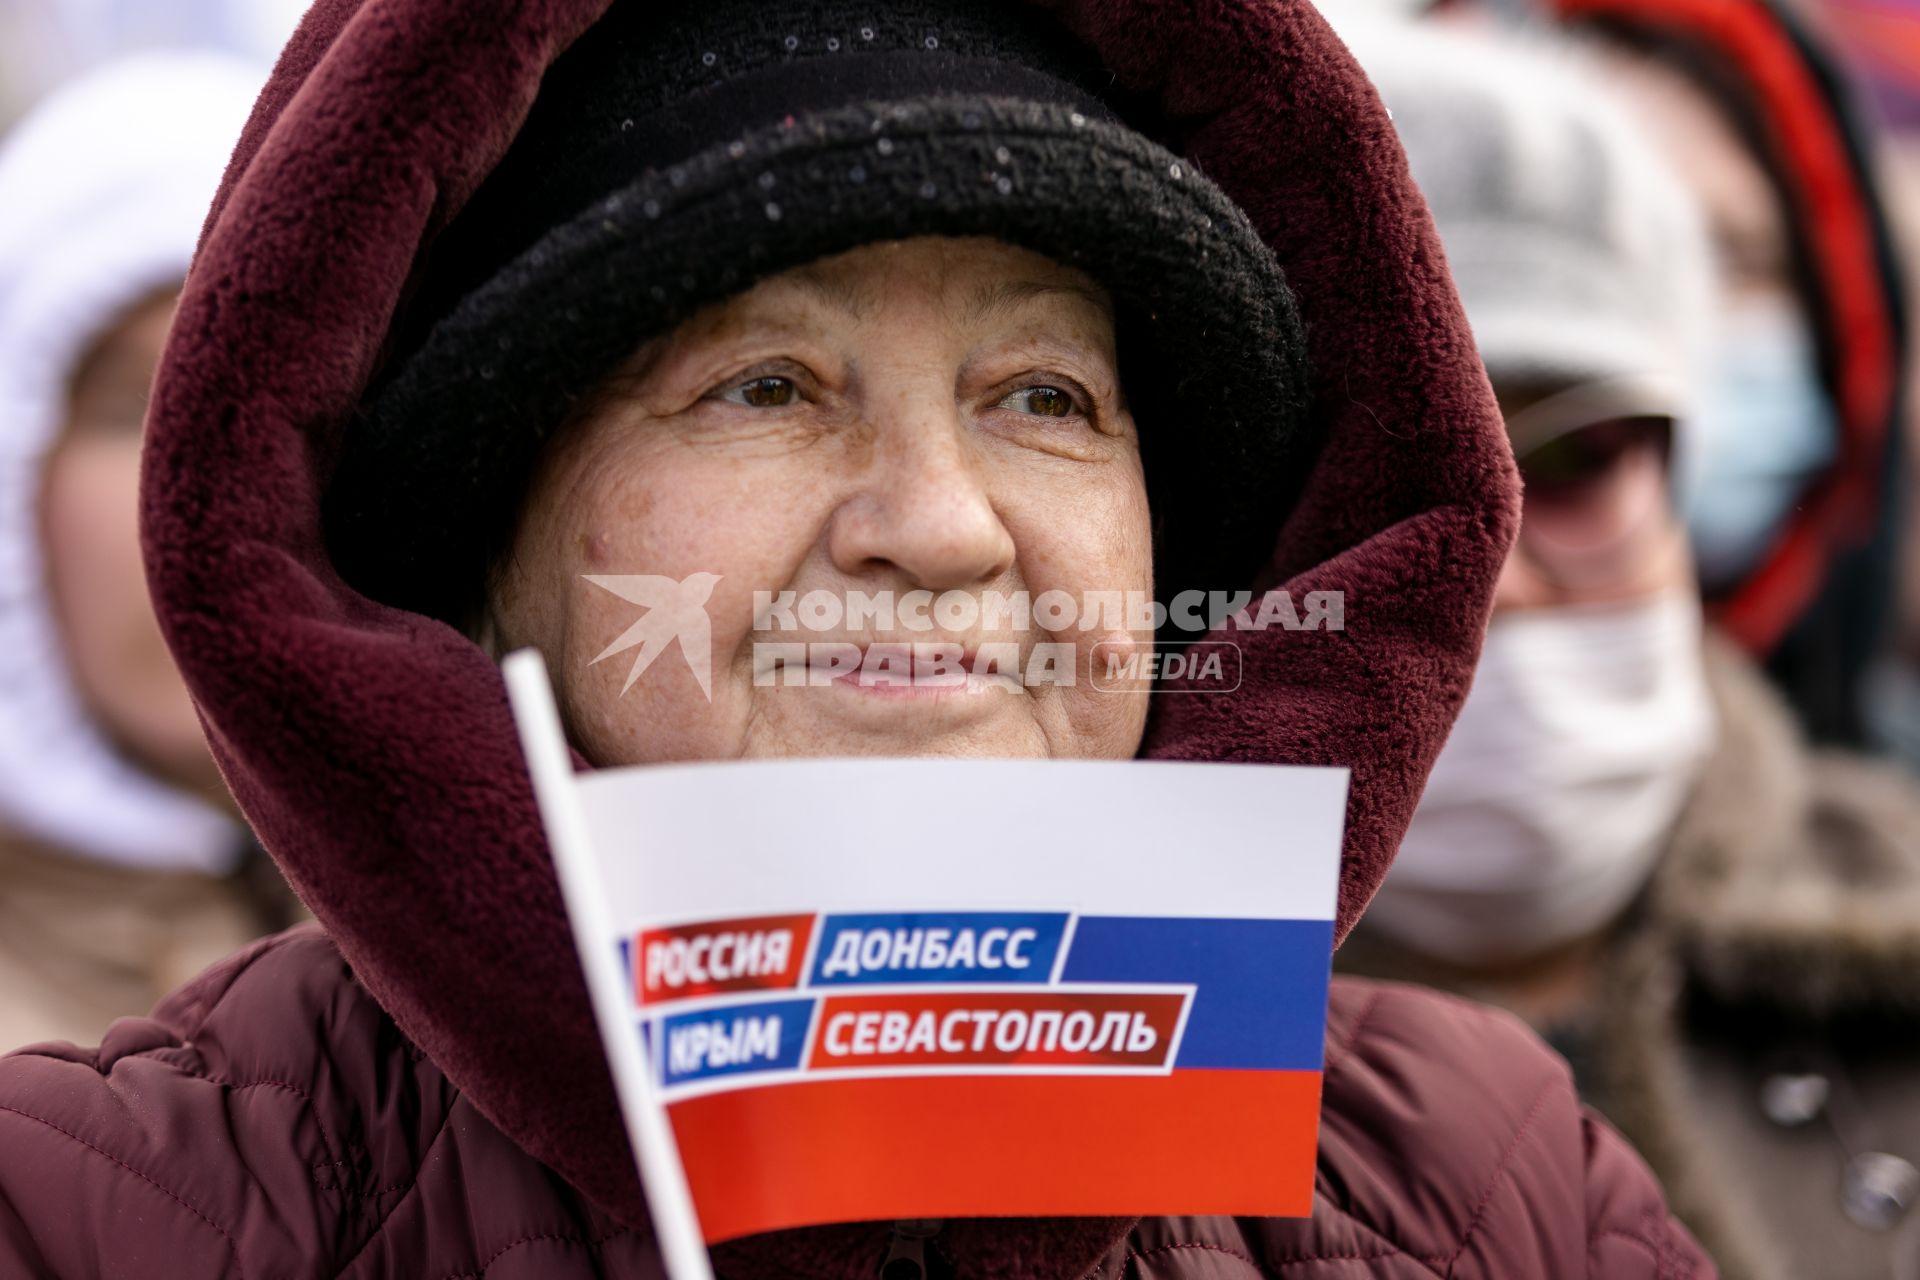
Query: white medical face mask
{"x": 1764, "y": 430}
{"x": 1549, "y": 805}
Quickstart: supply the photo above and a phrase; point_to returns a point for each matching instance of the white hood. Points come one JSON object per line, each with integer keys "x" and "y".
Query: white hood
{"x": 103, "y": 190}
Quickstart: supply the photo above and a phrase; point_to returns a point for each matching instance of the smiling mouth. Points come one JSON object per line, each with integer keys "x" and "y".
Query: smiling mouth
{"x": 911, "y": 671}
{"x": 961, "y": 684}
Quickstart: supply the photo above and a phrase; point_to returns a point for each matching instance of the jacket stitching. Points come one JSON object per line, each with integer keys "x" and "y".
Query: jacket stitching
{"x": 1663, "y": 1252}
{"x": 184, "y": 1035}
{"x": 1305, "y": 1258}
{"x": 1135, "y": 1255}
{"x": 1621, "y": 1233}
{"x": 1499, "y": 1172}
{"x": 336, "y": 1182}
{"x": 226, "y": 1235}
{"x": 1437, "y": 1264}
{"x": 1392, "y": 1246}
{"x": 334, "y": 1152}
{"x": 550, "y": 1236}
{"x": 446, "y": 1122}
{"x": 187, "y": 1034}
{"x": 1291, "y": 1260}
{"x": 1335, "y": 1061}
{"x": 1659, "y": 1256}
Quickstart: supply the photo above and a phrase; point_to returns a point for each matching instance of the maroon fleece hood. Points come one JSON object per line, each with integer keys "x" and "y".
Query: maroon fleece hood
{"x": 373, "y": 749}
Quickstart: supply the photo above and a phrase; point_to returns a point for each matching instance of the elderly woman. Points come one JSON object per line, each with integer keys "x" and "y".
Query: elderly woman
{"x": 956, "y": 297}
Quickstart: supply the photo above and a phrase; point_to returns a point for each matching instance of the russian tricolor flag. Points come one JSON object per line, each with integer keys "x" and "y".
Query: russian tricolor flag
{"x": 854, "y": 990}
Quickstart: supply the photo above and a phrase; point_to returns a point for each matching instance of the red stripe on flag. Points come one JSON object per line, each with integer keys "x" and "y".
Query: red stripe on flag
{"x": 1193, "y": 1142}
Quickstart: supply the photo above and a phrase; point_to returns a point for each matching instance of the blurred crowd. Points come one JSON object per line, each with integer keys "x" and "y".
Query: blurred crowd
{"x": 124, "y": 868}
{"x": 1677, "y": 825}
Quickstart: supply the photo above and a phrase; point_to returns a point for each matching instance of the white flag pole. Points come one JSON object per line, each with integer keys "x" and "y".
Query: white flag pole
{"x": 545, "y": 744}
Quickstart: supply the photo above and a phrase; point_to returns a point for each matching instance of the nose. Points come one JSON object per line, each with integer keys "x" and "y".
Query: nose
{"x": 924, "y": 508}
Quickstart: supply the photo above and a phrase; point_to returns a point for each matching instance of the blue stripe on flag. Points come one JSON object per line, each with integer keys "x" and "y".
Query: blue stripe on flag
{"x": 1261, "y": 1002}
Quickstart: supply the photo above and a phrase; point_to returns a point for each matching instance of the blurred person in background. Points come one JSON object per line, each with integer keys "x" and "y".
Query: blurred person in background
{"x": 1881, "y": 39}
{"x": 1626, "y": 839}
{"x": 1793, "y": 498}
{"x": 45, "y": 43}
{"x": 1891, "y": 689}
{"x": 123, "y": 869}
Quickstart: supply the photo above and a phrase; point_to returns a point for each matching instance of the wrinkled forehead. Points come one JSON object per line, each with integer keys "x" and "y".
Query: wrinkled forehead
{"x": 970, "y": 284}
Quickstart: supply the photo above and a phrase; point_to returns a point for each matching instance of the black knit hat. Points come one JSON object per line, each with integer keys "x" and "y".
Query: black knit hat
{"x": 679, "y": 152}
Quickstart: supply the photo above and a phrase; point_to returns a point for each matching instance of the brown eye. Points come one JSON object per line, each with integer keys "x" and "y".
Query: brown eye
{"x": 1044, "y": 402}
{"x": 763, "y": 393}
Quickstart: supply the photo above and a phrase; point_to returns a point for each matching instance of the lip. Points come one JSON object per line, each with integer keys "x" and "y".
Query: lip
{"x": 966, "y": 685}
{"x": 926, "y": 682}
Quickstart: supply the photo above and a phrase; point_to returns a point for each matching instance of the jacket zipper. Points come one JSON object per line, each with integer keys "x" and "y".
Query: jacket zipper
{"x": 907, "y": 1250}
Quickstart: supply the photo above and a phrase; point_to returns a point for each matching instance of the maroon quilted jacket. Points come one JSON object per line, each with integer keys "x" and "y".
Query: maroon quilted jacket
{"x": 419, "y": 1090}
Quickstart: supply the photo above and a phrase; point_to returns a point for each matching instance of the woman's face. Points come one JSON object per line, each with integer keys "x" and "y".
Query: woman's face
{"x": 1598, "y": 524}
{"x": 89, "y": 516}
{"x": 808, "y": 485}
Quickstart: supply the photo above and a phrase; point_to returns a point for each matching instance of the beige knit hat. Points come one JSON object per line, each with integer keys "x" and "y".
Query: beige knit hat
{"x": 1583, "y": 262}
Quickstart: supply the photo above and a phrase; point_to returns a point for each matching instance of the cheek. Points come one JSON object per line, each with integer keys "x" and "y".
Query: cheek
{"x": 1089, "y": 534}
{"x": 90, "y": 526}
{"x": 664, "y": 511}
{"x": 679, "y": 511}
{"x": 1081, "y": 529}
